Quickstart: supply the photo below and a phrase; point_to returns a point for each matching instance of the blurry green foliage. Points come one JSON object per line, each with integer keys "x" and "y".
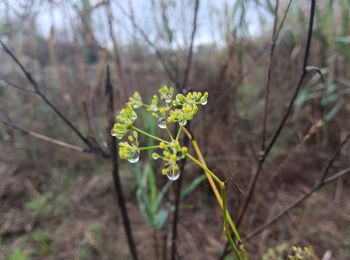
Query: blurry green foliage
{"x": 19, "y": 254}
{"x": 85, "y": 253}
{"x": 43, "y": 241}
{"x": 276, "y": 253}
{"x": 44, "y": 205}
{"x": 101, "y": 169}
{"x": 96, "y": 230}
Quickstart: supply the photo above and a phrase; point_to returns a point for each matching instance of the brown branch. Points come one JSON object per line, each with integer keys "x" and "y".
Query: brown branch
{"x": 251, "y": 69}
{"x": 44, "y": 137}
{"x": 115, "y": 171}
{"x": 16, "y": 86}
{"x": 297, "y": 203}
{"x": 35, "y": 85}
{"x": 331, "y": 161}
{"x": 160, "y": 56}
{"x": 269, "y": 72}
{"x": 177, "y": 201}
{"x": 118, "y": 60}
{"x": 283, "y": 19}
{"x": 285, "y": 117}
{"x": 264, "y": 153}
{"x": 319, "y": 184}
{"x": 190, "y": 52}
{"x": 185, "y": 142}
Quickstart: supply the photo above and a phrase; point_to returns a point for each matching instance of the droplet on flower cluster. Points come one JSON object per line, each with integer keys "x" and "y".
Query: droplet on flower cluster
{"x": 183, "y": 122}
{"x": 173, "y": 175}
{"x": 135, "y": 157}
{"x": 113, "y": 133}
{"x": 155, "y": 156}
{"x": 261, "y": 154}
{"x": 167, "y": 98}
{"x": 161, "y": 123}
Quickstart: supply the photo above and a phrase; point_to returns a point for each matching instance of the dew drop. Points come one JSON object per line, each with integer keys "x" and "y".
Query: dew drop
{"x": 154, "y": 108}
{"x": 173, "y": 175}
{"x": 183, "y": 122}
{"x": 113, "y": 133}
{"x": 155, "y": 156}
{"x": 161, "y": 123}
{"x": 204, "y": 102}
{"x": 135, "y": 158}
{"x": 167, "y": 98}
{"x": 261, "y": 154}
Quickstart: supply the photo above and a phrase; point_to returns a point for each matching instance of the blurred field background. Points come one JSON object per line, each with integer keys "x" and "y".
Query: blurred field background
{"x": 58, "y": 203}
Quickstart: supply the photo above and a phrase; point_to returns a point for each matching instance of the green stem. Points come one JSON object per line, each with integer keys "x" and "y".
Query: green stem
{"x": 226, "y": 227}
{"x": 149, "y": 147}
{"x": 167, "y": 129}
{"x": 178, "y": 133}
{"x": 205, "y": 169}
{"x": 149, "y": 135}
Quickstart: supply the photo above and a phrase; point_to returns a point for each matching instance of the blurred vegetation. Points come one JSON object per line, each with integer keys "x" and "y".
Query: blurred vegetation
{"x": 67, "y": 44}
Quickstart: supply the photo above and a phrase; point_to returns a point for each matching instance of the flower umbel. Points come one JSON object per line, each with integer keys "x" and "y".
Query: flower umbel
{"x": 166, "y": 111}
{"x": 136, "y": 100}
{"x": 179, "y": 112}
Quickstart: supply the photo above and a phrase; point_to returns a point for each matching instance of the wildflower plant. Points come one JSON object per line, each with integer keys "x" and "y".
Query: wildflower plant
{"x": 168, "y": 110}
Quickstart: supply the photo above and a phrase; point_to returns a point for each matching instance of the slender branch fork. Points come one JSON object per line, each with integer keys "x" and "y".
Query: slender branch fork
{"x": 323, "y": 180}
{"x": 43, "y": 137}
{"x": 285, "y": 117}
{"x": 150, "y": 43}
{"x": 185, "y": 140}
{"x": 92, "y": 146}
{"x": 116, "y": 176}
{"x": 269, "y": 72}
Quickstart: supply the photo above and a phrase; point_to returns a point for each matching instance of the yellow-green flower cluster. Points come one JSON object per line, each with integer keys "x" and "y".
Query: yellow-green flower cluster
{"x": 179, "y": 116}
{"x": 301, "y": 253}
{"x": 130, "y": 151}
{"x": 136, "y": 100}
{"x": 125, "y": 121}
{"x": 171, "y": 154}
{"x": 153, "y": 107}
{"x": 166, "y": 94}
{"x": 180, "y": 111}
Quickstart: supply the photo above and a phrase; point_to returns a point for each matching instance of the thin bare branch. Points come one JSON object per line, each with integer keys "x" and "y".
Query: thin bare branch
{"x": 150, "y": 43}
{"x": 16, "y": 86}
{"x": 331, "y": 161}
{"x": 116, "y": 177}
{"x": 268, "y": 82}
{"x": 35, "y": 85}
{"x": 296, "y": 203}
{"x": 190, "y": 51}
{"x": 117, "y": 57}
{"x": 286, "y": 115}
{"x": 264, "y": 153}
{"x": 44, "y": 137}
